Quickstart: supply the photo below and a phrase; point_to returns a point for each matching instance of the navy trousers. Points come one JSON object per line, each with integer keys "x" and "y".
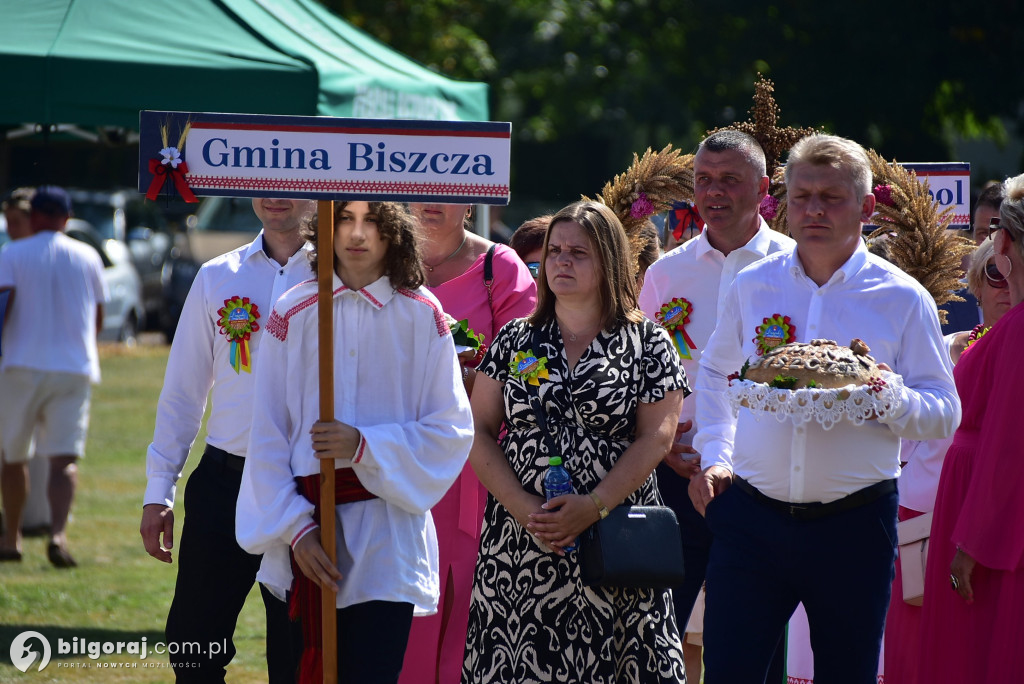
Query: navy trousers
{"x": 214, "y": 578}
{"x": 372, "y": 637}
{"x": 764, "y": 562}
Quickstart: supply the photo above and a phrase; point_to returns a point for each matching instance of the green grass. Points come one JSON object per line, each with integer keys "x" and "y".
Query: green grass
{"x": 118, "y": 592}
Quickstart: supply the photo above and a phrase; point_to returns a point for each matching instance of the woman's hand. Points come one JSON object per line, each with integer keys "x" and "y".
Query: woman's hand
{"x": 314, "y": 563}
{"x": 961, "y": 569}
{"x": 562, "y": 520}
{"x": 334, "y": 439}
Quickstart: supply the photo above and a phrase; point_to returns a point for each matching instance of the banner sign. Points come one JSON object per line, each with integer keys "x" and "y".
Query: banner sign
{"x": 949, "y": 184}
{"x": 315, "y": 157}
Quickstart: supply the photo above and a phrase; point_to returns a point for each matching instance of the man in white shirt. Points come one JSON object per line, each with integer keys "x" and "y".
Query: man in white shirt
{"x": 730, "y": 181}
{"x": 216, "y": 346}
{"x": 55, "y": 310}
{"x": 800, "y": 513}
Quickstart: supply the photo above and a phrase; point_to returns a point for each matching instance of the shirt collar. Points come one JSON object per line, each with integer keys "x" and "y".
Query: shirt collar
{"x": 377, "y": 294}
{"x": 845, "y": 273}
{"x": 760, "y": 244}
{"x": 256, "y": 247}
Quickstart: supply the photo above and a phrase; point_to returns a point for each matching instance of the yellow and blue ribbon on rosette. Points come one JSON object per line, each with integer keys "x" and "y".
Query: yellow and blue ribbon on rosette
{"x": 673, "y": 316}
{"x": 237, "y": 323}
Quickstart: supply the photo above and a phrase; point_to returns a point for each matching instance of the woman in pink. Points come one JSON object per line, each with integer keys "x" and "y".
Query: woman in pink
{"x": 919, "y": 479}
{"x": 974, "y": 583}
{"x": 455, "y": 261}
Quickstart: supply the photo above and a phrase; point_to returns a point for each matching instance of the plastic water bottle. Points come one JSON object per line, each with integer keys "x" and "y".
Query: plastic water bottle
{"x": 556, "y": 483}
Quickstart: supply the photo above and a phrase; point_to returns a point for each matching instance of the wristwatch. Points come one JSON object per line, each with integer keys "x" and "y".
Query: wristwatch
{"x": 602, "y": 510}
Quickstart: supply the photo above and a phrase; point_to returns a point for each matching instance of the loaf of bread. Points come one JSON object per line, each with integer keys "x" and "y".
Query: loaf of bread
{"x": 817, "y": 364}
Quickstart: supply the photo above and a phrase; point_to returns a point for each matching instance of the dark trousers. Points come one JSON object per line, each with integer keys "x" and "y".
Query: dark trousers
{"x": 214, "y": 577}
{"x": 763, "y": 563}
{"x": 696, "y": 548}
{"x": 372, "y": 637}
{"x": 696, "y": 541}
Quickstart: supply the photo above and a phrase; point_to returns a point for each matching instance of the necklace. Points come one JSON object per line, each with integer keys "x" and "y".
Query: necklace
{"x": 572, "y": 336}
{"x": 430, "y": 269}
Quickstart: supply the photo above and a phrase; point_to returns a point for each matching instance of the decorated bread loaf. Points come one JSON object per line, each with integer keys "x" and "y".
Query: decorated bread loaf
{"x": 816, "y": 364}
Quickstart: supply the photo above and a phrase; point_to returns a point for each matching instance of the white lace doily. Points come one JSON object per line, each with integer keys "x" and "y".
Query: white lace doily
{"x": 827, "y": 407}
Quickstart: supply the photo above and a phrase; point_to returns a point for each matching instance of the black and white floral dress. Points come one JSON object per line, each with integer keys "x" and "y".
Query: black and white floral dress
{"x": 531, "y": 618}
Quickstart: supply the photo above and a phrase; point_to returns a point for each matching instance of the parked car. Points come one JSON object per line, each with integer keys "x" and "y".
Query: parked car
{"x": 139, "y": 225}
{"x": 220, "y": 225}
{"x": 124, "y": 314}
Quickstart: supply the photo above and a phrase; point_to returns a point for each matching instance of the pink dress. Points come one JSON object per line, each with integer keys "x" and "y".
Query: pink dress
{"x": 919, "y": 482}
{"x": 437, "y": 642}
{"x": 980, "y": 507}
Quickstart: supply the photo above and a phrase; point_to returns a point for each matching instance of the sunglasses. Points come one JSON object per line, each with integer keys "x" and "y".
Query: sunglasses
{"x": 994, "y": 277}
{"x": 534, "y": 267}
{"x": 994, "y": 227}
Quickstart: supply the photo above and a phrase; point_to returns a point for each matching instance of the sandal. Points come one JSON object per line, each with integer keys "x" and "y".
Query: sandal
{"x": 10, "y": 555}
{"x": 59, "y": 556}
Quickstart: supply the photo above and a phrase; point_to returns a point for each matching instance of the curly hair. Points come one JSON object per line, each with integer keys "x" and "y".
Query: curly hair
{"x": 398, "y": 228}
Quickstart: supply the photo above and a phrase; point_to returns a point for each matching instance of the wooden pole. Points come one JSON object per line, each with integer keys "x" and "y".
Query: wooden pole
{"x": 325, "y": 304}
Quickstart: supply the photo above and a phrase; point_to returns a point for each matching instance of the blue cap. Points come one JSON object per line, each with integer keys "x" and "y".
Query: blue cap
{"x": 50, "y": 199}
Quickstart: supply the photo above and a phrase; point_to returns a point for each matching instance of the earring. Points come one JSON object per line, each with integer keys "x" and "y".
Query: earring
{"x": 1005, "y": 266}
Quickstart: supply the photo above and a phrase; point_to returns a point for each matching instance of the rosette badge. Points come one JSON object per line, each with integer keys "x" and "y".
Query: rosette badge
{"x": 673, "y": 316}
{"x": 526, "y": 366}
{"x": 238, "y": 321}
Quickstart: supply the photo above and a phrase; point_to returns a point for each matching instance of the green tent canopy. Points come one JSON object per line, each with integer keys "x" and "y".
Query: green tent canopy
{"x": 98, "y": 62}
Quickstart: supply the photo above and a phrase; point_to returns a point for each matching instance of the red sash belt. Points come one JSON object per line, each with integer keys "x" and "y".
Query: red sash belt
{"x": 304, "y": 603}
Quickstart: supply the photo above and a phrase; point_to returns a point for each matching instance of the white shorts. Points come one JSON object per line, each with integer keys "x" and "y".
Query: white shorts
{"x": 55, "y": 403}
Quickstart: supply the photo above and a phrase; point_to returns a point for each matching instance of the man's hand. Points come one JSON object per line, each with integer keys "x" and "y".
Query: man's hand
{"x": 157, "y": 521}
{"x": 683, "y": 459}
{"x": 334, "y": 439}
{"x": 710, "y": 483}
{"x": 314, "y": 563}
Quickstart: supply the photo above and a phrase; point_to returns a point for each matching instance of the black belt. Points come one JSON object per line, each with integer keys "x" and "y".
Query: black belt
{"x": 816, "y": 509}
{"x": 229, "y": 461}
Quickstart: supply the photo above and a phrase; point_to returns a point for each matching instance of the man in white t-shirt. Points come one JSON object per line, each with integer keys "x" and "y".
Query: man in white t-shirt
{"x": 54, "y": 312}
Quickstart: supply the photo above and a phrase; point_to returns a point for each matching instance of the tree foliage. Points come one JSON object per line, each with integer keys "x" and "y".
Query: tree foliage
{"x": 586, "y": 83}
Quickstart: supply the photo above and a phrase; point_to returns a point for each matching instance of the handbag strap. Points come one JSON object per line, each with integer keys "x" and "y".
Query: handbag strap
{"x": 536, "y": 403}
{"x": 488, "y": 281}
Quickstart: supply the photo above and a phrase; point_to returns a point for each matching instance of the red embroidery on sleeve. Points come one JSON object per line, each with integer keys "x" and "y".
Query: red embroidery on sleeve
{"x": 442, "y": 326}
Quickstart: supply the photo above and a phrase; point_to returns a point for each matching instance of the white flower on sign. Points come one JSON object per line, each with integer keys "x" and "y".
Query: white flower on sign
{"x": 171, "y": 156}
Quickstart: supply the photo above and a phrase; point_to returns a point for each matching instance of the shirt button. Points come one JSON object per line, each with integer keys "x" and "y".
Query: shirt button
{"x": 352, "y": 352}
{"x": 796, "y": 469}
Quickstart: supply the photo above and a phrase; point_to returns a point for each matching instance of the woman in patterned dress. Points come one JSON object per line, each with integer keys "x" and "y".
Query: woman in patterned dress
{"x": 612, "y": 388}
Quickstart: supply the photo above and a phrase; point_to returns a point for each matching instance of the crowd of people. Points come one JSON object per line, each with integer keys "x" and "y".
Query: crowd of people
{"x": 450, "y": 564}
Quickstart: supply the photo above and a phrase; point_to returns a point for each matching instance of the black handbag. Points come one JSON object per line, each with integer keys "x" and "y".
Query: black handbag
{"x": 633, "y": 546}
